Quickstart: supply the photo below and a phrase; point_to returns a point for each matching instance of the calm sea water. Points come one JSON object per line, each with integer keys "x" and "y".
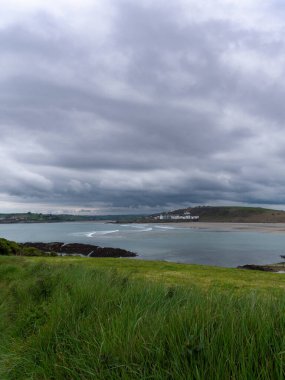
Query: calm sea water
{"x": 160, "y": 242}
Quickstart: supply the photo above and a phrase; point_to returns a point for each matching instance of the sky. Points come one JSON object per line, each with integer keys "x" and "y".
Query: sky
{"x": 136, "y": 106}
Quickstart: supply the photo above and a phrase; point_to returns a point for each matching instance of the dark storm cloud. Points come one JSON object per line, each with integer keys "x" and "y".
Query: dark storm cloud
{"x": 136, "y": 104}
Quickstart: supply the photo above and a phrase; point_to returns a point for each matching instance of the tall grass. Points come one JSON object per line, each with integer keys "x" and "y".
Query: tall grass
{"x": 70, "y": 322}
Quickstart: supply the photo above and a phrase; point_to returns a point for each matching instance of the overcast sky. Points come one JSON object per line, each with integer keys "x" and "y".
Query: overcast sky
{"x": 140, "y": 105}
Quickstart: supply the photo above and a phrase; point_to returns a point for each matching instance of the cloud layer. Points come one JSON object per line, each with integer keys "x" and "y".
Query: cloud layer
{"x": 139, "y": 105}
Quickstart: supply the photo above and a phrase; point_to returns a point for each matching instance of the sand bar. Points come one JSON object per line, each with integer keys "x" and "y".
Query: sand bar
{"x": 258, "y": 227}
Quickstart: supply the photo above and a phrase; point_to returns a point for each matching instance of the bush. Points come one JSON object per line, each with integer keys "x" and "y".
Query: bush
{"x": 31, "y": 251}
{"x": 10, "y": 248}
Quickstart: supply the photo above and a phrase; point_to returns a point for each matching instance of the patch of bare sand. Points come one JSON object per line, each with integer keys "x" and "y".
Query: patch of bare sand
{"x": 258, "y": 227}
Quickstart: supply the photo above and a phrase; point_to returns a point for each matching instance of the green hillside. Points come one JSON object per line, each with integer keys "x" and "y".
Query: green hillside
{"x": 239, "y": 214}
{"x": 235, "y": 214}
{"x": 30, "y": 217}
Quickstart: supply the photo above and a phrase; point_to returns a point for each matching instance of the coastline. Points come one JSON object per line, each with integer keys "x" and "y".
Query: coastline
{"x": 228, "y": 226}
{"x": 79, "y": 249}
{"x": 262, "y": 254}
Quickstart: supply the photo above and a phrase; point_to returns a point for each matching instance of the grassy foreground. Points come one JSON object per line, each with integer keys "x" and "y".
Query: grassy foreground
{"x": 83, "y": 319}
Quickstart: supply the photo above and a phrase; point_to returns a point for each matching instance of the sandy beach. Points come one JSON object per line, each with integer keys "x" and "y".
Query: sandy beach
{"x": 260, "y": 227}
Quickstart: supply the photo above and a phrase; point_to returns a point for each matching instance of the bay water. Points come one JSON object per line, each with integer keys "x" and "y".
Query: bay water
{"x": 228, "y": 248}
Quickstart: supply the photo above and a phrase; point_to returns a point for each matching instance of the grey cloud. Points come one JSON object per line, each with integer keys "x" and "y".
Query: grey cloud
{"x": 160, "y": 111}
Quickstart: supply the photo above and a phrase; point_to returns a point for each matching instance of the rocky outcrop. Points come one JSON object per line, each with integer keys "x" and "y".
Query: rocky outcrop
{"x": 87, "y": 250}
{"x": 264, "y": 268}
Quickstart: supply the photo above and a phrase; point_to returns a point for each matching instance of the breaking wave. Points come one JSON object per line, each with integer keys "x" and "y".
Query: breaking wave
{"x": 90, "y": 234}
{"x": 165, "y": 227}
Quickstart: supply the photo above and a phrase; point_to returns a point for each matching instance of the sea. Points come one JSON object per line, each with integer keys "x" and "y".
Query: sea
{"x": 174, "y": 243}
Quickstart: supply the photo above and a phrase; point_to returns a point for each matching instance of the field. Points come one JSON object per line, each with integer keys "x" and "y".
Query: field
{"x": 71, "y": 318}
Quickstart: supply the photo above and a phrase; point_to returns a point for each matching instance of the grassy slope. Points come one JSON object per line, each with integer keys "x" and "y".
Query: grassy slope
{"x": 173, "y": 273}
{"x": 70, "y": 318}
{"x": 239, "y": 214}
{"x": 235, "y": 214}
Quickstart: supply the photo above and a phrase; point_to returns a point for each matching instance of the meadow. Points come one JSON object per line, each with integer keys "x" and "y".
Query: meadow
{"x": 73, "y": 318}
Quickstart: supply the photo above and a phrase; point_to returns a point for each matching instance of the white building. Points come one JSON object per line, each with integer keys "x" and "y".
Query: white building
{"x": 186, "y": 216}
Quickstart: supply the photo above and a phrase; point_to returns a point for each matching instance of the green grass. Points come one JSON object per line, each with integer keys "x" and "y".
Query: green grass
{"x": 172, "y": 273}
{"x": 237, "y": 214}
{"x": 129, "y": 319}
{"x": 11, "y": 248}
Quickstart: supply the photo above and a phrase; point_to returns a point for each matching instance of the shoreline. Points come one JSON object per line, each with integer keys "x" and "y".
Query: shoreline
{"x": 78, "y": 249}
{"x": 273, "y": 227}
{"x": 232, "y": 226}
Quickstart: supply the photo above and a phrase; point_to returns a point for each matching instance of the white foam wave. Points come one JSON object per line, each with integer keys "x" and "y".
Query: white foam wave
{"x": 92, "y": 233}
{"x": 165, "y": 227}
{"x": 139, "y": 226}
{"x": 146, "y": 229}
{"x": 79, "y": 233}
{"x": 106, "y": 232}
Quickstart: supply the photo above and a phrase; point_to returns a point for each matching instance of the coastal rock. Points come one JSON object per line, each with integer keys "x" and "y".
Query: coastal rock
{"x": 263, "y": 268}
{"x": 80, "y": 249}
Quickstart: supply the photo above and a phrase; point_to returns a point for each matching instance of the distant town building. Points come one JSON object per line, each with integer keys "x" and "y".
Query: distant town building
{"x": 185, "y": 216}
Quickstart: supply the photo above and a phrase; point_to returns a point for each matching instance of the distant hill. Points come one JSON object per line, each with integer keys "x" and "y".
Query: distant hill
{"x": 55, "y": 218}
{"x": 234, "y": 214}
{"x": 206, "y": 214}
